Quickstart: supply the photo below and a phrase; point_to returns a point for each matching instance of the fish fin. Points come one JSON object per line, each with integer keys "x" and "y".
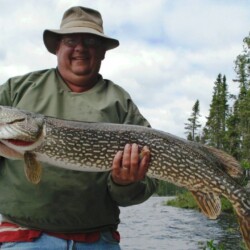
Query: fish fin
{"x": 33, "y": 168}
{"x": 209, "y": 203}
{"x": 244, "y": 222}
{"x": 228, "y": 163}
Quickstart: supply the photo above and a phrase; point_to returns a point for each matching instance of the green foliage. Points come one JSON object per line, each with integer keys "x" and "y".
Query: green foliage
{"x": 211, "y": 246}
{"x": 245, "y": 164}
{"x": 183, "y": 200}
{"x": 193, "y": 123}
{"x": 227, "y": 126}
{"x": 233, "y": 133}
{"x": 226, "y": 206}
{"x": 239, "y": 121}
{"x": 186, "y": 200}
{"x": 215, "y": 129}
{"x": 228, "y": 123}
{"x": 167, "y": 189}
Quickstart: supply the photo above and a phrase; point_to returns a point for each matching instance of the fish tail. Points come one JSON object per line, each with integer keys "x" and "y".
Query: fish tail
{"x": 243, "y": 215}
{"x": 244, "y": 223}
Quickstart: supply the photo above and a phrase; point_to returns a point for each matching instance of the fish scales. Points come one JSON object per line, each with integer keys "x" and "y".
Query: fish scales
{"x": 161, "y": 145}
{"x": 208, "y": 173}
{"x": 114, "y": 138}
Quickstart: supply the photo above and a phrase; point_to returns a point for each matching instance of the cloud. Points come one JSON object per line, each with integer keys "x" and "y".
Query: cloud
{"x": 169, "y": 56}
{"x": 215, "y": 24}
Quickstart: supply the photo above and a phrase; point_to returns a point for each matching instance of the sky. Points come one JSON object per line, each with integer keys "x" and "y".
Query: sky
{"x": 170, "y": 52}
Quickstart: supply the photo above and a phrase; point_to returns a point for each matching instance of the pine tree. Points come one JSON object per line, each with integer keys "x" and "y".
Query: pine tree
{"x": 214, "y": 132}
{"x": 193, "y": 123}
{"x": 233, "y": 133}
{"x": 242, "y": 69}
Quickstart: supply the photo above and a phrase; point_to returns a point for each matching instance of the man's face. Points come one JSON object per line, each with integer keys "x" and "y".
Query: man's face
{"x": 79, "y": 56}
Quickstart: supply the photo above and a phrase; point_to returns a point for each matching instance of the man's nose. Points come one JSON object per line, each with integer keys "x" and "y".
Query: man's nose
{"x": 81, "y": 46}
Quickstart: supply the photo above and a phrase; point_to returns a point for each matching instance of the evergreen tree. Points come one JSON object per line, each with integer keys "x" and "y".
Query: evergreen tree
{"x": 233, "y": 134}
{"x": 214, "y": 132}
{"x": 228, "y": 128}
{"x": 242, "y": 69}
{"x": 193, "y": 123}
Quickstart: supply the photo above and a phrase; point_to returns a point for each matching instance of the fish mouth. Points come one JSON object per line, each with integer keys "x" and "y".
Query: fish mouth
{"x": 20, "y": 142}
{"x": 21, "y": 145}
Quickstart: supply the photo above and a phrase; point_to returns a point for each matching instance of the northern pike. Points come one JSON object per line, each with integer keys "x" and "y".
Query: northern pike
{"x": 82, "y": 146}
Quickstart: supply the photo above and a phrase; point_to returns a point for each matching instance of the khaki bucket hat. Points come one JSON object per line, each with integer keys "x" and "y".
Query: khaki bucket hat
{"x": 78, "y": 20}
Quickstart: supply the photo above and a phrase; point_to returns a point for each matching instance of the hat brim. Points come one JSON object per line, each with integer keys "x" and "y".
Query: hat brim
{"x": 51, "y": 37}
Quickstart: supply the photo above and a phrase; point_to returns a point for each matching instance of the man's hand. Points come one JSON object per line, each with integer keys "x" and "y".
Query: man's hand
{"x": 130, "y": 165}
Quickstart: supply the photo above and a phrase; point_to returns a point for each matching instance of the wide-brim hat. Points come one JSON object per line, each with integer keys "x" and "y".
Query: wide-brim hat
{"x": 78, "y": 20}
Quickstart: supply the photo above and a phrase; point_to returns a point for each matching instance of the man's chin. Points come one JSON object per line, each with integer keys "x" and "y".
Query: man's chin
{"x": 82, "y": 71}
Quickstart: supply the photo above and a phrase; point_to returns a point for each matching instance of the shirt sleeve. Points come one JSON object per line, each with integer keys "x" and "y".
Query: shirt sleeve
{"x": 132, "y": 194}
{"x": 134, "y": 116}
{"x": 5, "y": 94}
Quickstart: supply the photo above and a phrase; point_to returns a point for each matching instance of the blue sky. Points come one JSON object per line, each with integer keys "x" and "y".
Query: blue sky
{"x": 169, "y": 56}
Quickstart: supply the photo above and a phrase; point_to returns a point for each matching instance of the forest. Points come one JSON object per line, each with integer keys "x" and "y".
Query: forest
{"x": 227, "y": 126}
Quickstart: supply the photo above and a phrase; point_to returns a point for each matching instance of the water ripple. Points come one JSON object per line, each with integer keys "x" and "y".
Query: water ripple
{"x": 153, "y": 226}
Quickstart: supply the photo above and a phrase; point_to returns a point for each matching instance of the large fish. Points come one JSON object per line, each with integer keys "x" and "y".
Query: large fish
{"x": 207, "y": 172}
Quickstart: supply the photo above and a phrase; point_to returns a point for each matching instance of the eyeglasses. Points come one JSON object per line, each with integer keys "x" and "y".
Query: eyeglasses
{"x": 72, "y": 42}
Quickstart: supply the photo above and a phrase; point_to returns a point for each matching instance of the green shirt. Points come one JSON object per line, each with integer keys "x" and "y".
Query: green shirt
{"x": 64, "y": 200}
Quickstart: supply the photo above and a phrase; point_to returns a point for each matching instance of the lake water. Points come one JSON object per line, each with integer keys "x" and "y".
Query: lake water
{"x": 151, "y": 225}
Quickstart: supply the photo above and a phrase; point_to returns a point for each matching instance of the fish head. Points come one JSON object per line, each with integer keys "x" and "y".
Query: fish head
{"x": 20, "y": 125}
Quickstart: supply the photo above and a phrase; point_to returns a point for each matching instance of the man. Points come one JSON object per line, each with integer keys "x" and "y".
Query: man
{"x": 70, "y": 209}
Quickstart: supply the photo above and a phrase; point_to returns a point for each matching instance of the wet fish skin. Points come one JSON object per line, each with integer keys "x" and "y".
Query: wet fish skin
{"x": 207, "y": 173}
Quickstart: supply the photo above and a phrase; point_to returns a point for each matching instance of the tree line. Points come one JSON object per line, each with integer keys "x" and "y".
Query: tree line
{"x": 227, "y": 126}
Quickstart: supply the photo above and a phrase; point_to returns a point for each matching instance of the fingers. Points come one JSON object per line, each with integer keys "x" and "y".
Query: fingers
{"x": 117, "y": 163}
{"x": 130, "y": 165}
{"x": 126, "y": 160}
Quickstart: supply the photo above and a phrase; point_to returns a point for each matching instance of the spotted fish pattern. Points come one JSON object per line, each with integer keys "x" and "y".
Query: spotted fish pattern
{"x": 207, "y": 173}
